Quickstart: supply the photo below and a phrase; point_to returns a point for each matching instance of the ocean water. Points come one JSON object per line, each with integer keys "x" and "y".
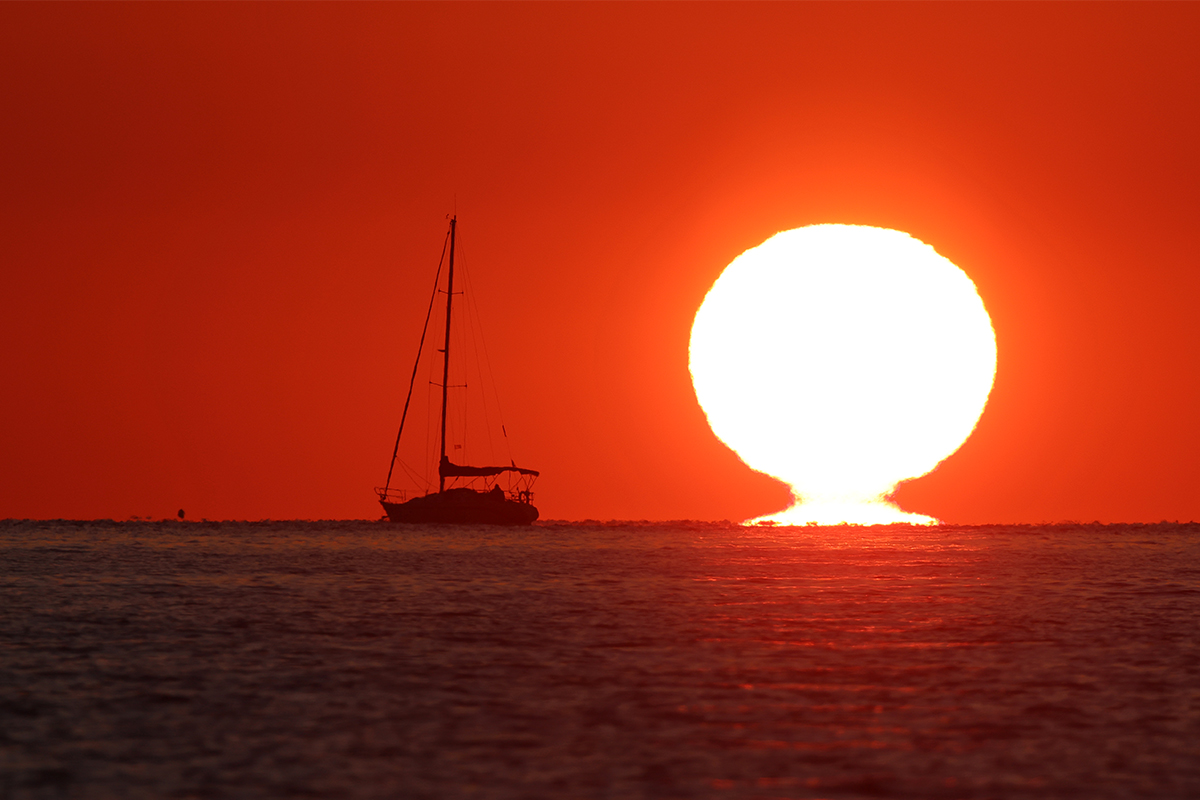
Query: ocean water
{"x": 689, "y": 660}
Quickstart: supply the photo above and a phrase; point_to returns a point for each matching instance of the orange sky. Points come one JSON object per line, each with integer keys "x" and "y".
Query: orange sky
{"x": 219, "y": 224}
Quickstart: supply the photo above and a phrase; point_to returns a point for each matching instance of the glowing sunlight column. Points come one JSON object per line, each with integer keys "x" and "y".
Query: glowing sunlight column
{"x": 843, "y": 359}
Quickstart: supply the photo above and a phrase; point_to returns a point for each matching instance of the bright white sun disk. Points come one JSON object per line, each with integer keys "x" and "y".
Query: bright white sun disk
{"x": 843, "y": 359}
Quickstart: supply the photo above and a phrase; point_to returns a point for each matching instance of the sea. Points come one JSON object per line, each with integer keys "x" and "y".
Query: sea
{"x": 598, "y": 660}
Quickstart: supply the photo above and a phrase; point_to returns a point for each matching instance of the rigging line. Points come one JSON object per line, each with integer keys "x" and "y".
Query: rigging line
{"x": 431, "y": 418}
{"x": 449, "y": 429}
{"x": 413, "y": 379}
{"x": 430, "y": 469}
{"x": 432, "y": 393}
{"x": 459, "y": 416}
{"x": 490, "y": 382}
{"x": 476, "y": 337}
{"x": 475, "y": 329}
{"x": 492, "y": 379}
{"x": 412, "y": 473}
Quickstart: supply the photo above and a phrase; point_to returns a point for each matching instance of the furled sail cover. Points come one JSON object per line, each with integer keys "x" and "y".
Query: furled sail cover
{"x": 449, "y": 470}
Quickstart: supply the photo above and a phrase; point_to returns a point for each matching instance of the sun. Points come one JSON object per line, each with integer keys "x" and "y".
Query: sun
{"x": 843, "y": 359}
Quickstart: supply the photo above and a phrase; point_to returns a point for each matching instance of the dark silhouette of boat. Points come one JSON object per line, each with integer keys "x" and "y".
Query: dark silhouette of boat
{"x": 466, "y": 495}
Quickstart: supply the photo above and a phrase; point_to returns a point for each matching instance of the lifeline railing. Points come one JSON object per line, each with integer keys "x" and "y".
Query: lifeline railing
{"x": 401, "y": 495}
{"x": 391, "y": 495}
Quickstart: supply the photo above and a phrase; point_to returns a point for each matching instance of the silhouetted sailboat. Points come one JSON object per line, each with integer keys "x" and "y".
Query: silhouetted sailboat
{"x": 465, "y": 494}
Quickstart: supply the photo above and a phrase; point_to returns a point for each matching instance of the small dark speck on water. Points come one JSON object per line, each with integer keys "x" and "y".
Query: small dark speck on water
{"x": 602, "y": 660}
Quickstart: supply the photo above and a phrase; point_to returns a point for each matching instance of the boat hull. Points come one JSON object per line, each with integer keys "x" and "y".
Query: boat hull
{"x": 461, "y": 507}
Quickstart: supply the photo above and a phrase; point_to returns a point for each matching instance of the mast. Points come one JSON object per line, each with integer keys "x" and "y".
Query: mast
{"x": 446, "y": 356}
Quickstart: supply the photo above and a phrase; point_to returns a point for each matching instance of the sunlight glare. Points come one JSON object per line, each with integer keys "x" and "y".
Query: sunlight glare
{"x": 843, "y": 359}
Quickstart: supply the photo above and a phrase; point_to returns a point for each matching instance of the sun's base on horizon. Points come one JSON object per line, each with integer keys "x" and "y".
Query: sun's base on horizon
{"x": 877, "y": 511}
